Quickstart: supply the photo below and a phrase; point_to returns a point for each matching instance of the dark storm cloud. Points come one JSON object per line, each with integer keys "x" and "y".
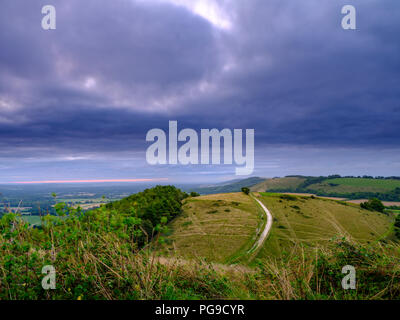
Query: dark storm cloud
{"x": 115, "y": 69}
{"x": 97, "y": 77}
{"x": 299, "y": 78}
{"x": 123, "y": 45}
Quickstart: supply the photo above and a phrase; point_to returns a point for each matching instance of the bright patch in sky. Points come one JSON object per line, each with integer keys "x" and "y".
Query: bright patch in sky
{"x": 208, "y": 9}
{"x": 90, "y": 83}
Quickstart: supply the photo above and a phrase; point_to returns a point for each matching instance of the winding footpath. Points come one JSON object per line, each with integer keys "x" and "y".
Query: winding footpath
{"x": 267, "y": 228}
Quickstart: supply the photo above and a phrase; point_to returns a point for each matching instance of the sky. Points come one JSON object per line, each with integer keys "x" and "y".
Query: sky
{"x": 77, "y": 102}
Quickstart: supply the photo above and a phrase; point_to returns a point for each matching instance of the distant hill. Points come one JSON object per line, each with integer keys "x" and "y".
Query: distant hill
{"x": 386, "y": 189}
{"x": 228, "y": 186}
{"x": 288, "y": 183}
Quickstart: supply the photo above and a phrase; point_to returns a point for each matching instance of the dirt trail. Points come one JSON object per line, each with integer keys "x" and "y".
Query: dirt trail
{"x": 266, "y": 230}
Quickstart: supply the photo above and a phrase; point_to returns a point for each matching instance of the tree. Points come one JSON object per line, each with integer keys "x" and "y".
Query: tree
{"x": 194, "y": 194}
{"x": 245, "y": 190}
{"x": 373, "y": 205}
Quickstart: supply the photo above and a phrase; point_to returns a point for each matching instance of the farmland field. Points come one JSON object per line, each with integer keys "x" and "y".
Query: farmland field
{"x": 31, "y": 219}
{"x": 383, "y": 184}
{"x": 348, "y": 185}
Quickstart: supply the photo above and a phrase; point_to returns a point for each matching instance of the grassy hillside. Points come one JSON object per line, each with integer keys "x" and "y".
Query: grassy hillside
{"x": 220, "y": 228}
{"x": 223, "y": 227}
{"x": 316, "y": 222}
{"x": 289, "y": 183}
{"x": 311, "y": 240}
{"x": 350, "y": 185}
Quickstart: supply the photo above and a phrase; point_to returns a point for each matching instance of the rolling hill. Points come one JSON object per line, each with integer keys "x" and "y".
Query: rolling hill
{"x": 316, "y": 222}
{"x": 223, "y": 227}
{"x": 289, "y": 183}
{"x": 219, "y": 227}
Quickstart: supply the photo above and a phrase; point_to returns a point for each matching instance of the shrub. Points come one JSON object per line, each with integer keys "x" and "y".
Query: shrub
{"x": 288, "y": 197}
{"x": 194, "y": 194}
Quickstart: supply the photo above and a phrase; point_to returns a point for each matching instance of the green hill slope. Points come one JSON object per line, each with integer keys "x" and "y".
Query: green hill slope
{"x": 315, "y": 222}
{"x": 350, "y": 185}
{"x": 223, "y": 227}
{"x": 219, "y": 227}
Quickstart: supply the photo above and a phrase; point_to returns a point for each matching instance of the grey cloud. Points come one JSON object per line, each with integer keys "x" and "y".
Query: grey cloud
{"x": 286, "y": 68}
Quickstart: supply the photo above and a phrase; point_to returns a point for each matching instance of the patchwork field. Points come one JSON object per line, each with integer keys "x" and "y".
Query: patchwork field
{"x": 315, "y": 221}
{"x": 86, "y": 203}
{"x": 349, "y": 185}
{"x": 385, "y": 203}
{"x": 32, "y": 219}
{"x": 220, "y": 228}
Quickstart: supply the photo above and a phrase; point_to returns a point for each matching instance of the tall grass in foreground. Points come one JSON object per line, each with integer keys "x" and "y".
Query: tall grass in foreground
{"x": 96, "y": 256}
{"x": 302, "y": 275}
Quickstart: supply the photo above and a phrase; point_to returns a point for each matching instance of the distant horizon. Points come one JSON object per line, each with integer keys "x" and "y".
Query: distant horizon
{"x": 88, "y": 181}
{"x": 156, "y": 180}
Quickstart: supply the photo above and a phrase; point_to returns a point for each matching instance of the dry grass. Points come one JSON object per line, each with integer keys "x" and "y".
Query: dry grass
{"x": 215, "y": 227}
{"x": 314, "y": 222}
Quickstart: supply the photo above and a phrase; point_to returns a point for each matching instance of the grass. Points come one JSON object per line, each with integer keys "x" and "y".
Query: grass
{"x": 315, "y": 222}
{"x": 220, "y": 228}
{"x": 385, "y": 184}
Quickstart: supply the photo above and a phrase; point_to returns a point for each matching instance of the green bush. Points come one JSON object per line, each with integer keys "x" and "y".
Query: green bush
{"x": 194, "y": 194}
{"x": 373, "y": 205}
{"x": 288, "y": 197}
